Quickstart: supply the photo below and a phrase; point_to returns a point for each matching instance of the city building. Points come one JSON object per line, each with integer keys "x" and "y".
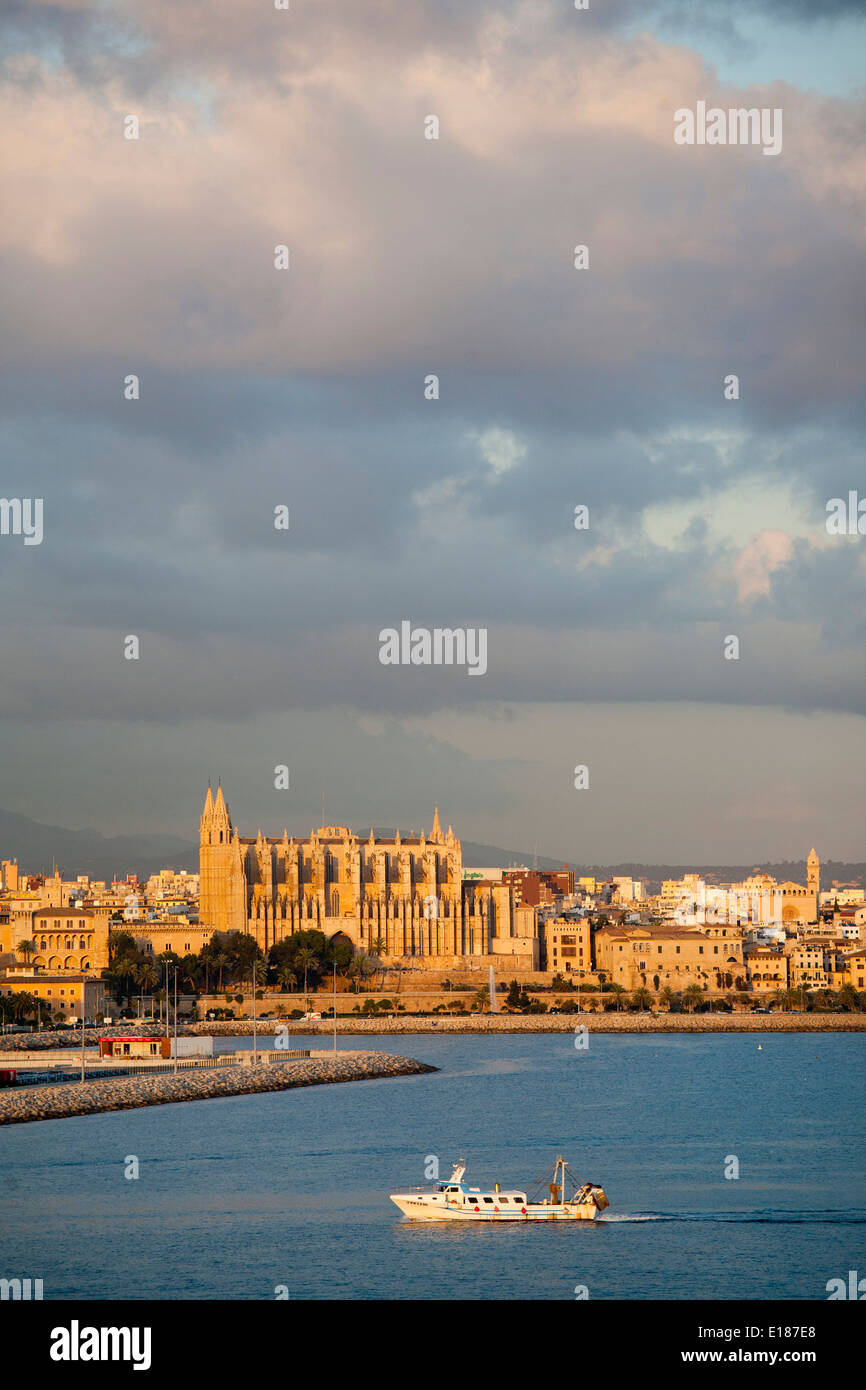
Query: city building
{"x": 540, "y": 887}
{"x": 183, "y": 938}
{"x": 660, "y": 957}
{"x": 62, "y": 993}
{"x": 65, "y": 938}
{"x": 766, "y": 968}
{"x": 568, "y": 947}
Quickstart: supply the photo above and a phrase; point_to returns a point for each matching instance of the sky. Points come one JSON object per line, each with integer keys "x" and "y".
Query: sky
{"x": 558, "y": 388}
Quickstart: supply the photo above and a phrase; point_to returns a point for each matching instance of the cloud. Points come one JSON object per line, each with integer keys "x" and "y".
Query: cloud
{"x": 558, "y": 387}
{"x": 757, "y": 562}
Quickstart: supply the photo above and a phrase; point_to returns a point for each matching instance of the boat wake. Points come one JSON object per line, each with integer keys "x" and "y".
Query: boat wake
{"x": 781, "y": 1218}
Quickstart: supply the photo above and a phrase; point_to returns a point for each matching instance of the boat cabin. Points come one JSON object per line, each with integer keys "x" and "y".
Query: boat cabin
{"x": 458, "y": 1194}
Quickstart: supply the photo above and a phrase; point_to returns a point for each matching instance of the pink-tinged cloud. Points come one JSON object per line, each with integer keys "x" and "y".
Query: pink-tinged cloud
{"x": 765, "y": 553}
{"x": 415, "y": 253}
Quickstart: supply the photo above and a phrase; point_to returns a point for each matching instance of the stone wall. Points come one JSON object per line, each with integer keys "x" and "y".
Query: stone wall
{"x": 563, "y": 1023}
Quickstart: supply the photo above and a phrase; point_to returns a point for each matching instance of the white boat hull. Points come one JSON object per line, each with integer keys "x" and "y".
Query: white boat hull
{"x": 419, "y": 1210}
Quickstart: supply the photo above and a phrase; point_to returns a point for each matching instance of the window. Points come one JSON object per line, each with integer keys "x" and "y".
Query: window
{"x": 489, "y": 1199}
{"x": 504, "y": 1199}
{"x": 678, "y": 950}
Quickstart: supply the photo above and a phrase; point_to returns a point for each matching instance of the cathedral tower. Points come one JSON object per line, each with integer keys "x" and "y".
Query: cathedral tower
{"x": 216, "y": 863}
{"x": 813, "y": 874}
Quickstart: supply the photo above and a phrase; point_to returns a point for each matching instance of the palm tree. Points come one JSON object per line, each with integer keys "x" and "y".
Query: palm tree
{"x": 286, "y": 978}
{"x": 667, "y": 997}
{"x": 481, "y": 998}
{"x": 190, "y": 971}
{"x": 26, "y": 949}
{"x": 379, "y": 946}
{"x": 642, "y": 998}
{"x": 305, "y": 957}
{"x": 206, "y": 959}
{"x": 692, "y": 996}
{"x": 618, "y": 993}
{"x": 26, "y": 1004}
{"x": 147, "y": 976}
{"x": 221, "y": 960}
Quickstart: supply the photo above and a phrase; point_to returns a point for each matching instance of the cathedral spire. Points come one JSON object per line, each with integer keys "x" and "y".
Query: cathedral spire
{"x": 436, "y": 832}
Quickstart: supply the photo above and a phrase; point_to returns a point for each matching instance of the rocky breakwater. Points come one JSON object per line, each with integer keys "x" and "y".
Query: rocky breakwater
{"x": 560, "y": 1023}
{"x": 19, "y": 1106}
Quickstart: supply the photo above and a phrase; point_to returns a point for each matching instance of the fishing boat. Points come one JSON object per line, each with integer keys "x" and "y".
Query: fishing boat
{"x": 568, "y": 1199}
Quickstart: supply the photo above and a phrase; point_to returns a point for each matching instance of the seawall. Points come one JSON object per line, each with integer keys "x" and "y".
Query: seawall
{"x": 20, "y": 1106}
{"x": 558, "y": 1023}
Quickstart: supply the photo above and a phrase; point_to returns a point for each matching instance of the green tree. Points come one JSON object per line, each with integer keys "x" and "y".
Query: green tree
{"x": 481, "y": 998}
{"x": 147, "y": 976}
{"x": 306, "y": 958}
{"x": 286, "y": 978}
{"x": 850, "y": 1000}
{"x": 222, "y": 960}
{"x": 692, "y": 996}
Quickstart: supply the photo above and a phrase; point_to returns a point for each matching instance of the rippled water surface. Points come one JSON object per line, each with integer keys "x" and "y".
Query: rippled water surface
{"x": 238, "y": 1196}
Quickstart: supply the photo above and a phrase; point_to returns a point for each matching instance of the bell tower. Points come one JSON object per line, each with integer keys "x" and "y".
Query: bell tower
{"x": 813, "y": 877}
{"x": 215, "y": 835}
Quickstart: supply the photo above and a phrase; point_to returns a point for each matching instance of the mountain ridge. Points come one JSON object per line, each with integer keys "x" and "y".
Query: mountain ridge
{"x": 35, "y": 845}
